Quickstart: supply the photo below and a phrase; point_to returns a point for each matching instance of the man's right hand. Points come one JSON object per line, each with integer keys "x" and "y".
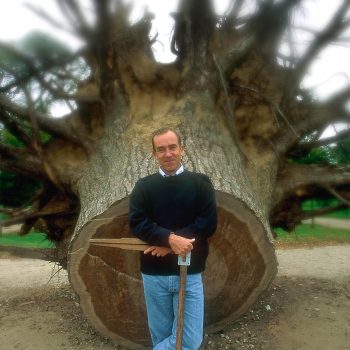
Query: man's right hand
{"x": 180, "y": 245}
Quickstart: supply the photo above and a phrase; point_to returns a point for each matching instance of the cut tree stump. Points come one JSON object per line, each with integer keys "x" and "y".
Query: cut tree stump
{"x": 241, "y": 265}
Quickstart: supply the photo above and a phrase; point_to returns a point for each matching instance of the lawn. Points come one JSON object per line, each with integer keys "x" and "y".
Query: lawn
{"x": 31, "y": 240}
{"x": 312, "y": 234}
{"x": 314, "y": 204}
{"x": 340, "y": 214}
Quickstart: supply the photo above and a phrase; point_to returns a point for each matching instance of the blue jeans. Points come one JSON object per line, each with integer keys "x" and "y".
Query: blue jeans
{"x": 161, "y": 295}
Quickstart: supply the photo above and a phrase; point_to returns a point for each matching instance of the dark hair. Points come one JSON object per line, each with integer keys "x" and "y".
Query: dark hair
{"x": 164, "y": 130}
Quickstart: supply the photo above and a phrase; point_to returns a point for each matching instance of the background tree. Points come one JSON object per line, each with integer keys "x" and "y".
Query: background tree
{"x": 244, "y": 117}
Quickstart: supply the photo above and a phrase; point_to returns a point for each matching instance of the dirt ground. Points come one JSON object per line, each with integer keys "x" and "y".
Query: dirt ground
{"x": 306, "y": 308}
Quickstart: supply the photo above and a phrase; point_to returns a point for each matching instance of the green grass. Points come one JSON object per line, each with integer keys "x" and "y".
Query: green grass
{"x": 316, "y": 234}
{"x": 314, "y": 204}
{"x": 340, "y": 214}
{"x": 31, "y": 240}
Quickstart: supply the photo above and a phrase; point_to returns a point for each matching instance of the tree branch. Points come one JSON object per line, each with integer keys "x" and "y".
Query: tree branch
{"x": 41, "y": 199}
{"x": 299, "y": 182}
{"x": 304, "y": 148}
{"x": 232, "y": 14}
{"x": 263, "y": 32}
{"x": 33, "y": 70}
{"x": 37, "y": 145}
{"x": 76, "y": 18}
{"x": 309, "y": 117}
{"x": 298, "y": 176}
{"x": 55, "y": 91}
{"x": 44, "y": 15}
{"x": 110, "y": 32}
{"x": 17, "y": 160}
{"x": 338, "y": 196}
{"x": 8, "y": 211}
{"x": 35, "y": 127}
{"x": 58, "y": 126}
{"x": 271, "y": 22}
{"x": 61, "y": 94}
{"x": 335, "y": 27}
{"x": 36, "y": 214}
{"x": 194, "y": 24}
{"x": 14, "y": 128}
{"x": 275, "y": 108}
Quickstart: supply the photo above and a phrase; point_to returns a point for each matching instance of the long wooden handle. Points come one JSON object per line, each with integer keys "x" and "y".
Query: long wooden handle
{"x": 121, "y": 243}
{"x": 181, "y": 306}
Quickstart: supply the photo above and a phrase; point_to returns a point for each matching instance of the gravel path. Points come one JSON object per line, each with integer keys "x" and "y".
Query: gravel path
{"x": 329, "y": 262}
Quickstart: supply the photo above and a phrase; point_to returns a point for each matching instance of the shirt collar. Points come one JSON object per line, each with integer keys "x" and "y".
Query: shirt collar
{"x": 178, "y": 171}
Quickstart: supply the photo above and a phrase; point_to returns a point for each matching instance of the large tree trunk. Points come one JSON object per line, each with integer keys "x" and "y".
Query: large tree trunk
{"x": 241, "y": 262}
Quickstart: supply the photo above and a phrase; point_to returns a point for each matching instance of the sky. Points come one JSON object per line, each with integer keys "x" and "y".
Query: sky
{"x": 329, "y": 73}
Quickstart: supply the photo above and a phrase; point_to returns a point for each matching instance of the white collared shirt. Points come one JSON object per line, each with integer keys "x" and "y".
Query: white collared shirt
{"x": 178, "y": 171}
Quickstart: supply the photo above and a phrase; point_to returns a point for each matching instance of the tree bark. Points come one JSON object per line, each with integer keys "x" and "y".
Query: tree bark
{"x": 241, "y": 262}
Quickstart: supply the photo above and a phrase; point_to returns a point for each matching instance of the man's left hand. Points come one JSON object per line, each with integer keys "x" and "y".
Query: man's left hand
{"x": 158, "y": 251}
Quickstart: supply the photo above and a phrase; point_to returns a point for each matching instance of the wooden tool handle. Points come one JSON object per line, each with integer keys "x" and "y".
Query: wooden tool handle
{"x": 127, "y": 243}
{"x": 181, "y": 305}
{"x": 125, "y": 240}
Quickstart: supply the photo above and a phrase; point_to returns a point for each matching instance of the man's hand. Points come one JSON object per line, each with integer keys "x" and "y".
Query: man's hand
{"x": 158, "y": 251}
{"x": 180, "y": 245}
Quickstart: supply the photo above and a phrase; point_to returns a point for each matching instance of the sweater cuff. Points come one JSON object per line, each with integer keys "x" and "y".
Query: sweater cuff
{"x": 186, "y": 232}
{"x": 164, "y": 237}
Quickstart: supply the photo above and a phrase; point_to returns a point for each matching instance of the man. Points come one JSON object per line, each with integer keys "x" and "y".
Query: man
{"x": 174, "y": 211}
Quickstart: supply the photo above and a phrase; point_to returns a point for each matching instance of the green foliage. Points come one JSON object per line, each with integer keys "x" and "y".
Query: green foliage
{"x": 341, "y": 152}
{"x": 43, "y": 46}
{"x": 46, "y": 53}
{"x": 47, "y": 50}
{"x": 321, "y": 155}
{"x": 7, "y": 138}
{"x": 3, "y": 216}
{"x": 38, "y": 45}
{"x": 10, "y": 60}
{"x": 334, "y": 154}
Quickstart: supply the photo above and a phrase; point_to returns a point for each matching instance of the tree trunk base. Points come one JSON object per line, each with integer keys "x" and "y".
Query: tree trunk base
{"x": 241, "y": 265}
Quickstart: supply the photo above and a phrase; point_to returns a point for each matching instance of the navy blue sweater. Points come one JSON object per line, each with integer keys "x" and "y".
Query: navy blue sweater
{"x": 184, "y": 204}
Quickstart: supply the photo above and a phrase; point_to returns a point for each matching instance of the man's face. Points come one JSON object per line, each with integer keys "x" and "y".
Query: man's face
{"x": 168, "y": 152}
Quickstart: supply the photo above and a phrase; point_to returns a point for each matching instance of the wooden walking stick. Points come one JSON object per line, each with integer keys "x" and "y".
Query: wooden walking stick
{"x": 183, "y": 262}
